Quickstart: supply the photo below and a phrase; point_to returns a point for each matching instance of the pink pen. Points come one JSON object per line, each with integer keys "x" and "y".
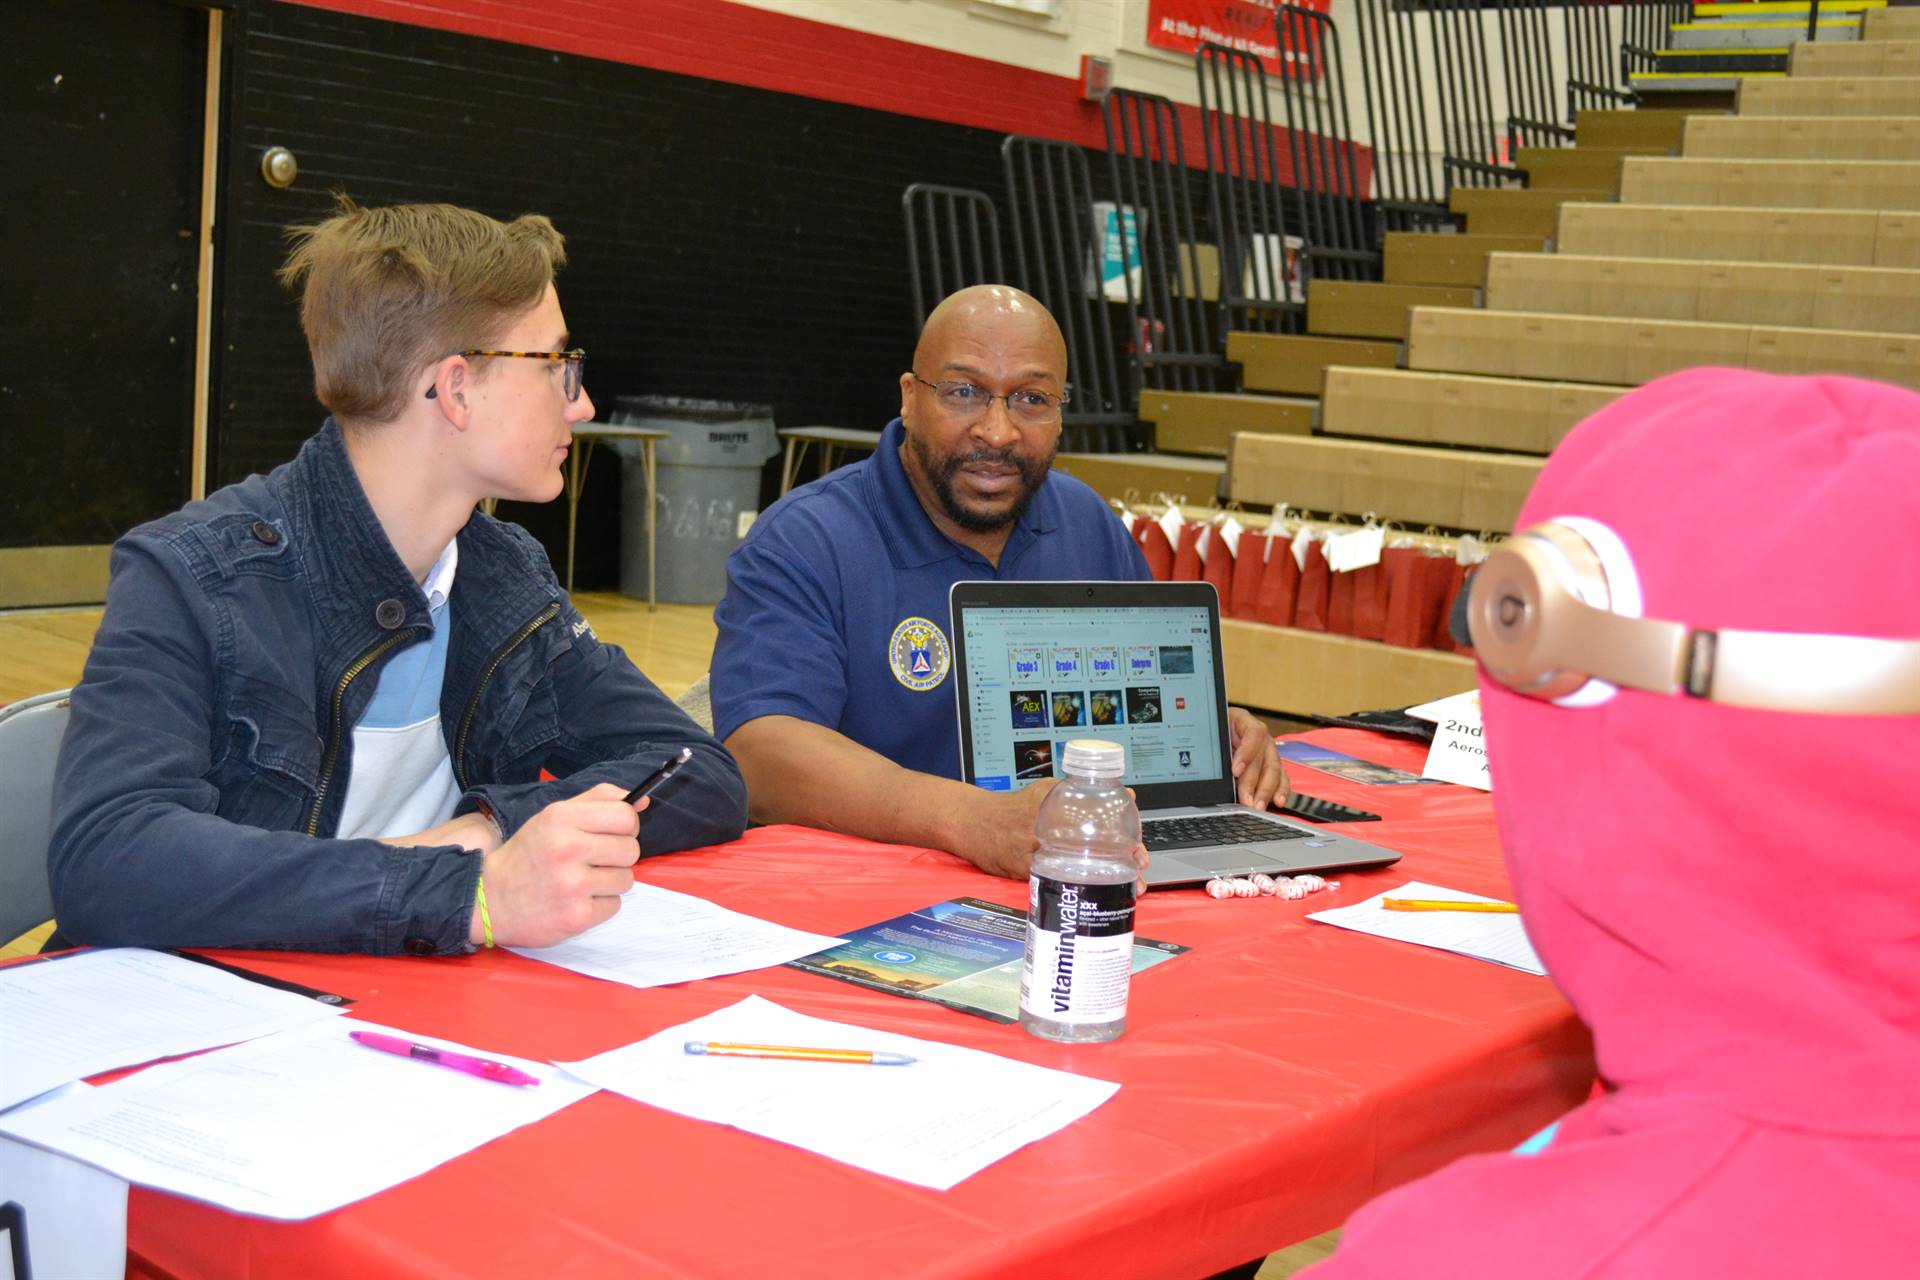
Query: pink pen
{"x": 482, "y": 1067}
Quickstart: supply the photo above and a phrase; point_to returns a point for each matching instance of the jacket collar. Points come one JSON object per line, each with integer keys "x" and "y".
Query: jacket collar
{"x": 911, "y": 537}
{"x": 356, "y": 578}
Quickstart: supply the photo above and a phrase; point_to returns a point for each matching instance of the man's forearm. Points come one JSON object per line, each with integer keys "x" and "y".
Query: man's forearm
{"x": 802, "y": 772}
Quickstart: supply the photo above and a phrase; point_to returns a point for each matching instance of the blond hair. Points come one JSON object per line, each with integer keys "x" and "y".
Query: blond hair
{"x": 389, "y": 291}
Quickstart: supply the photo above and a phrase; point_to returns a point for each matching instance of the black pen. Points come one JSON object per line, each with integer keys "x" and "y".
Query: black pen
{"x": 660, "y": 775}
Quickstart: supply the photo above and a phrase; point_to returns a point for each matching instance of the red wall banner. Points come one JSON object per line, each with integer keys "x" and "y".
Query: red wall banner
{"x": 1184, "y": 25}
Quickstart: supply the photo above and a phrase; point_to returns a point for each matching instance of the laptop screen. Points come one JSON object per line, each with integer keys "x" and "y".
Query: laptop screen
{"x": 1041, "y": 663}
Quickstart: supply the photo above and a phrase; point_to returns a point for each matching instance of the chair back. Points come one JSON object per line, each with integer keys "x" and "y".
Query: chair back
{"x": 30, "y": 732}
{"x": 697, "y": 701}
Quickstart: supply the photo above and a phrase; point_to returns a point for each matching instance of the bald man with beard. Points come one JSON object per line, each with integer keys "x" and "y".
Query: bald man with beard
{"x": 830, "y": 672}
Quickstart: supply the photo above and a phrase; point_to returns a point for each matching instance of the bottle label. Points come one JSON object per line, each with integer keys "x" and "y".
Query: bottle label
{"x": 1079, "y": 950}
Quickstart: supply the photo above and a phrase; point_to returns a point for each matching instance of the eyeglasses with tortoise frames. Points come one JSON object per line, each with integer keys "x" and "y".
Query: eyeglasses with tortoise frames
{"x": 574, "y": 362}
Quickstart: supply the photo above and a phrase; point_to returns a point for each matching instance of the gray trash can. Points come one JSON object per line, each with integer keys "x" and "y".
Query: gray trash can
{"x": 709, "y": 482}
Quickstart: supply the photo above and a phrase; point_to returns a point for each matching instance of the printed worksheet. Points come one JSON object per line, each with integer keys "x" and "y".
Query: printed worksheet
{"x": 941, "y": 1119}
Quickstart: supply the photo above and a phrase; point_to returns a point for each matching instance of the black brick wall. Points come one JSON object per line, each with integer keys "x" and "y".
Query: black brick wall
{"x": 725, "y": 242}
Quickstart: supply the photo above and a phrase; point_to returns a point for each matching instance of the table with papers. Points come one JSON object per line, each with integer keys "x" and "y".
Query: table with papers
{"x": 1273, "y": 1078}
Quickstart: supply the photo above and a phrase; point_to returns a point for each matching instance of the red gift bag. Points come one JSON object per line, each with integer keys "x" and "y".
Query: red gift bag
{"x": 1186, "y": 555}
{"x": 1156, "y": 548}
{"x": 1369, "y": 601}
{"x": 1217, "y": 561}
{"x": 1340, "y": 602}
{"x": 1414, "y": 581}
{"x": 1279, "y": 585}
{"x": 1310, "y": 609}
{"x": 1249, "y": 568}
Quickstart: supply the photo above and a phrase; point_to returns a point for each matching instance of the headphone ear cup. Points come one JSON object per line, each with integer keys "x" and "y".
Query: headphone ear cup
{"x": 1519, "y": 605}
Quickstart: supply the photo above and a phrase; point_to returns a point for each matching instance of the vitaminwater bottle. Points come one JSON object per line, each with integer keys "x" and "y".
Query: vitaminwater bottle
{"x": 1073, "y": 986}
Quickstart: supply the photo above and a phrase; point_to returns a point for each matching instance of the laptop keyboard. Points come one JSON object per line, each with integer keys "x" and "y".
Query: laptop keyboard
{"x": 1160, "y": 834}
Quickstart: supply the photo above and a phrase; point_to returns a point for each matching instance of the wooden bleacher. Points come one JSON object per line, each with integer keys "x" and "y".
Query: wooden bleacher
{"x": 1449, "y": 488}
{"x": 1515, "y": 211}
{"x": 1406, "y": 406}
{"x": 1416, "y": 258}
{"x": 1861, "y": 96}
{"x": 1365, "y": 310}
{"x": 1842, "y": 237}
{"x": 1773, "y": 184}
{"x": 1891, "y": 24}
{"x": 1662, "y": 132}
{"x": 1803, "y": 138}
{"x": 1802, "y": 296}
{"x": 1783, "y": 237}
{"x": 1865, "y": 58}
{"x": 1627, "y": 352}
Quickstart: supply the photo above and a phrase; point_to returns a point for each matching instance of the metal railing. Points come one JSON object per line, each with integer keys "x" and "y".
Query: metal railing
{"x": 1050, "y": 197}
{"x": 1535, "y": 87}
{"x": 1409, "y": 186}
{"x": 1246, "y": 196}
{"x": 1326, "y": 174}
{"x": 1170, "y": 335}
{"x": 953, "y": 240}
{"x": 1646, "y": 29}
{"x": 1595, "y": 77}
{"x": 1475, "y": 146}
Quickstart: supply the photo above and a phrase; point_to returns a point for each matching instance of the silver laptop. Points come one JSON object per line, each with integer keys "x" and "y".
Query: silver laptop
{"x": 1038, "y": 663}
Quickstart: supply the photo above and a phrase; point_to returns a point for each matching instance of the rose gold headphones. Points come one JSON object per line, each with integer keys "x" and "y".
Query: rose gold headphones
{"x": 1540, "y": 612}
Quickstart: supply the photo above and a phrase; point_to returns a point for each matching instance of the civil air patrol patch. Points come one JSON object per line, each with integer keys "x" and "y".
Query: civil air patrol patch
{"x": 918, "y": 654}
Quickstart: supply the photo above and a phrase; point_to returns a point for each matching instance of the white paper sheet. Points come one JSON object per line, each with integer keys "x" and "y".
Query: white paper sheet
{"x": 1452, "y": 705}
{"x": 294, "y": 1124}
{"x": 659, "y": 936}
{"x": 76, "y": 1215}
{"x": 935, "y": 1123}
{"x": 1459, "y": 751}
{"x": 1482, "y": 935}
{"x": 80, "y": 1015}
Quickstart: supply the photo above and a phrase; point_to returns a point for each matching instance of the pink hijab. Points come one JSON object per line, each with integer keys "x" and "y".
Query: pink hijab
{"x": 1731, "y": 899}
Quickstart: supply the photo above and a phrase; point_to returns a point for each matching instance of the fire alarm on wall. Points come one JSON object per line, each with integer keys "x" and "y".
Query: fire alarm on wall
{"x": 1096, "y": 77}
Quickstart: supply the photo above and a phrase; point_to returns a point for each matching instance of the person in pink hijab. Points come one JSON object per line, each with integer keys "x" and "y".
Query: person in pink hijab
{"x": 1729, "y": 897}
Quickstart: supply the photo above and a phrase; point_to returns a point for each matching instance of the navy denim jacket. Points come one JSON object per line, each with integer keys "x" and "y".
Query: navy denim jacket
{"x": 205, "y": 765}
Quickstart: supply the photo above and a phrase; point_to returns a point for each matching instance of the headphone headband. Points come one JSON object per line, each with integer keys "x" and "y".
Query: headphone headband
{"x": 1540, "y": 616}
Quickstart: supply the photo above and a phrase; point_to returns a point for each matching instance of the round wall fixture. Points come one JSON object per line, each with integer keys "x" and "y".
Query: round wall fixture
{"x": 279, "y": 167}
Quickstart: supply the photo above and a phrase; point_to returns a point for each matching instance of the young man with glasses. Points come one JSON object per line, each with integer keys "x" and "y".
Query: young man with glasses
{"x": 335, "y": 708}
{"x": 829, "y": 674}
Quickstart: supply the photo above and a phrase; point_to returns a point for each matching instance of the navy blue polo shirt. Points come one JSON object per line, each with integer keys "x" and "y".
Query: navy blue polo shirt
{"x": 836, "y": 605}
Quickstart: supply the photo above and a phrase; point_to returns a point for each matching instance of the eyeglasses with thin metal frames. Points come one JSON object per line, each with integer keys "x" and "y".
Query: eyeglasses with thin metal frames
{"x": 968, "y": 402}
{"x": 574, "y": 361}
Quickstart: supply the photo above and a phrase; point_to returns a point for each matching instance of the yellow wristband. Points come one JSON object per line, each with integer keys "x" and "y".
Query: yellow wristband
{"x": 480, "y": 900}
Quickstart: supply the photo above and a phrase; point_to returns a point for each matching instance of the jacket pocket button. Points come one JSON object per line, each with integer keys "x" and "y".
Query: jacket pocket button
{"x": 417, "y": 947}
{"x": 265, "y": 533}
{"x": 390, "y": 614}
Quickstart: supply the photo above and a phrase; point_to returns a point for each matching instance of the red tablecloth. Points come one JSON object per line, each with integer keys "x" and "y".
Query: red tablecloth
{"x": 1273, "y": 1079}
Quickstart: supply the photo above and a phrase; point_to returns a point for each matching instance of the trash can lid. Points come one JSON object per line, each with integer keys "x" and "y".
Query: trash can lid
{"x": 690, "y": 409}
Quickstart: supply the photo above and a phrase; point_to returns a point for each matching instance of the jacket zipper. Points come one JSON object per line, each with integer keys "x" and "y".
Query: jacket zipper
{"x": 519, "y": 638}
{"x": 360, "y": 664}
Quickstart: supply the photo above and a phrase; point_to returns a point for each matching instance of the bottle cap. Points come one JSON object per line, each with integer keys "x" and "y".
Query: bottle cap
{"x": 1095, "y": 758}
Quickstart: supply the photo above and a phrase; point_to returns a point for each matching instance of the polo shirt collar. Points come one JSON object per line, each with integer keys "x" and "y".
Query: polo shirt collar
{"x": 912, "y": 539}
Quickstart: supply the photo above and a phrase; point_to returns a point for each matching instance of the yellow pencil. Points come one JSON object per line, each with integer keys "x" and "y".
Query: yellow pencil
{"x": 1444, "y": 904}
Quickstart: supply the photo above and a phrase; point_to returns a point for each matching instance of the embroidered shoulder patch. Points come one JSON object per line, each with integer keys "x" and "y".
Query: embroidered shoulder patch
{"x": 918, "y": 654}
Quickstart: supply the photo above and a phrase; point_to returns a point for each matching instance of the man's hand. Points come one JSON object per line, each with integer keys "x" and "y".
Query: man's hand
{"x": 994, "y": 831}
{"x": 1260, "y": 777}
{"x": 563, "y": 872}
{"x": 999, "y": 832}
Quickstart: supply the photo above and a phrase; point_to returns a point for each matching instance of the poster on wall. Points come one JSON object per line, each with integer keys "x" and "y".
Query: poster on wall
{"x": 1184, "y": 25}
